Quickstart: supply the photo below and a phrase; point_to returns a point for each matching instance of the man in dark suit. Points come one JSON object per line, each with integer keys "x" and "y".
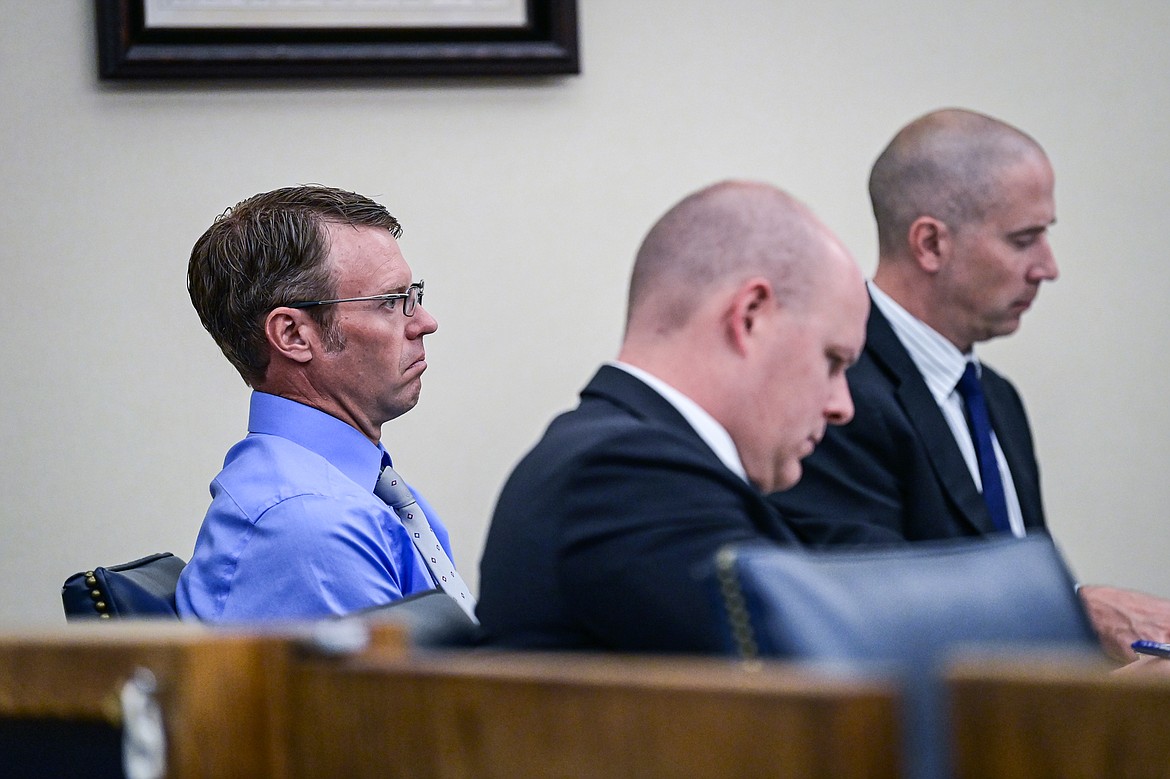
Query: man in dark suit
{"x": 898, "y": 473}
{"x": 744, "y": 311}
{"x": 963, "y": 203}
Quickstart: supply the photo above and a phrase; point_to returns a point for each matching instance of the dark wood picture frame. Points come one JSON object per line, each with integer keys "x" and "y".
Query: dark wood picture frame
{"x": 128, "y": 50}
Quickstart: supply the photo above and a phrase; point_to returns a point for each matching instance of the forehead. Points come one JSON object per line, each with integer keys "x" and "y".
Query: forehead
{"x": 1023, "y": 194}
{"x": 848, "y": 316}
{"x": 365, "y": 260}
{"x": 841, "y": 303}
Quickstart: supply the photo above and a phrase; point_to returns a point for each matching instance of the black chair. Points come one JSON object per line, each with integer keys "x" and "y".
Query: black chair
{"x": 904, "y": 604}
{"x": 146, "y": 588}
{"x": 141, "y": 588}
{"x": 431, "y": 618}
{"x": 902, "y": 611}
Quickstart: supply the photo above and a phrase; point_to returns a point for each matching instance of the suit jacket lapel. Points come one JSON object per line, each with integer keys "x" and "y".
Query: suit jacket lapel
{"x": 924, "y": 415}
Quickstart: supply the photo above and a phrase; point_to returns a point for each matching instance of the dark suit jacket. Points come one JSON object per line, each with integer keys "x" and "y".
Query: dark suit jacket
{"x": 895, "y": 472}
{"x": 601, "y": 529}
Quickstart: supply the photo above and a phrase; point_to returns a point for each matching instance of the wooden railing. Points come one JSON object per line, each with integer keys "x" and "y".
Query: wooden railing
{"x": 272, "y": 704}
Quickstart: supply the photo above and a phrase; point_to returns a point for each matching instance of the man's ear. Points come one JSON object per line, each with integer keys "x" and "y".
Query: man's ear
{"x": 290, "y": 333}
{"x": 930, "y": 243}
{"x": 752, "y": 300}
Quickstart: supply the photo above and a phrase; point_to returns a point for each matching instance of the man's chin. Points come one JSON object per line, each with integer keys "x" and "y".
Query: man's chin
{"x": 402, "y": 404}
{"x": 1005, "y": 326}
{"x": 787, "y": 477}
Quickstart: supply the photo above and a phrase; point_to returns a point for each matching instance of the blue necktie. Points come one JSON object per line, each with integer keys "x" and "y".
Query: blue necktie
{"x": 980, "y": 424}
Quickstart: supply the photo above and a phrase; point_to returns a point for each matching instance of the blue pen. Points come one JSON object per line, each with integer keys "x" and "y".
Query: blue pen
{"x": 1155, "y": 648}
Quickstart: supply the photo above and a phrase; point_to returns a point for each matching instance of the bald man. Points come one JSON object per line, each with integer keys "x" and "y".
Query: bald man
{"x": 744, "y": 312}
{"x": 963, "y": 204}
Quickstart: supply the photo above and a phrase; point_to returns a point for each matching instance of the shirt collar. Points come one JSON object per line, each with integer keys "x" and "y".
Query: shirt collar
{"x": 937, "y": 359}
{"x": 705, "y": 425}
{"x": 343, "y": 445}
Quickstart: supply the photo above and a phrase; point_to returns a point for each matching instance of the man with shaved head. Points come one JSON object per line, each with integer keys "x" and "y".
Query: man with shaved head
{"x": 744, "y": 311}
{"x": 963, "y": 204}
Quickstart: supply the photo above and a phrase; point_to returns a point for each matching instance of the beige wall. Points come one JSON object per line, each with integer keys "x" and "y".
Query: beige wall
{"x": 523, "y": 203}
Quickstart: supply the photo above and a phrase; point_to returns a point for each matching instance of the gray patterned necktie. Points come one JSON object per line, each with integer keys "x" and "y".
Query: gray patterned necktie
{"x": 395, "y": 493}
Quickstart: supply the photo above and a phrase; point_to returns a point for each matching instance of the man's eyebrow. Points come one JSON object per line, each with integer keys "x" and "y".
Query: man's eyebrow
{"x": 396, "y": 290}
{"x": 1031, "y": 230}
{"x": 844, "y": 355}
{"x": 1037, "y": 227}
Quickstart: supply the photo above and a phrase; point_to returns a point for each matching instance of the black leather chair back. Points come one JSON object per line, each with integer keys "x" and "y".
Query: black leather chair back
{"x": 142, "y": 588}
{"x": 905, "y": 604}
{"x": 902, "y": 610}
{"x": 431, "y": 618}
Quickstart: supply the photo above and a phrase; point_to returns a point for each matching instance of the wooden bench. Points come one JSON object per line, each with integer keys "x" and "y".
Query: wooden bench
{"x": 487, "y": 714}
{"x": 221, "y": 693}
{"x": 265, "y": 704}
{"x": 1059, "y": 717}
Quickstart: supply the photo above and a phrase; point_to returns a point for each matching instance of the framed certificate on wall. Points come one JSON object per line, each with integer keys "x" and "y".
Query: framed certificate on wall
{"x": 186, "y": 39}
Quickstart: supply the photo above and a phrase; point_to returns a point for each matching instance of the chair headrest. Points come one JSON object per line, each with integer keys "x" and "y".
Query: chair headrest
{"x": 899, "y": 604}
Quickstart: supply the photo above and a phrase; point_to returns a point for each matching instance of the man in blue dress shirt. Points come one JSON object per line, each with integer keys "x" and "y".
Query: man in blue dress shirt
{"x": 308, "y": 295}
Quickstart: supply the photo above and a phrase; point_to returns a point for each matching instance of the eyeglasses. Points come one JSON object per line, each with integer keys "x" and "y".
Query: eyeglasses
{"x": 410, "y": 299}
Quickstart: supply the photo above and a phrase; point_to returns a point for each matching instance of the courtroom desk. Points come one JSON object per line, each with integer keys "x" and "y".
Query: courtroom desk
{"x": 487, "y": 714}
{"x": 1057, "y": 717}
{"x": 221, "y": 692}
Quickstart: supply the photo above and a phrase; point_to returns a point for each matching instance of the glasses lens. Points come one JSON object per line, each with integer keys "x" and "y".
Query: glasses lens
{"x": 414, "y": 297}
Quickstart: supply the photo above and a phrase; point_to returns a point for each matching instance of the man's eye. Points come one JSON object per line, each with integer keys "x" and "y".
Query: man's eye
{"x": 1025, "y": 240}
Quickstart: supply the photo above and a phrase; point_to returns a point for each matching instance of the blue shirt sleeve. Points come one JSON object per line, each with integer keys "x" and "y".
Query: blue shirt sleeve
{"x": 304, "y": 558}
{"x": 292, "y": 534}
{"x": 299, "y": 566}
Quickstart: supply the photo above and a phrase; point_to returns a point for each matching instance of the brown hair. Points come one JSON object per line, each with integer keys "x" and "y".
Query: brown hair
{"x": 267, "y": 251}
